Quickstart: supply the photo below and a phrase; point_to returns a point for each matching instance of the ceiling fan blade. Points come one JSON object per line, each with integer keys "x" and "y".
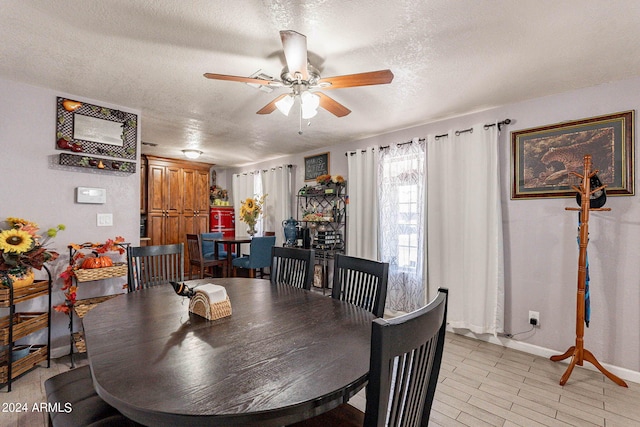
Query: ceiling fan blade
{"x": 361, "y": 79}
{"x": 271, "y": 107}
{"x": 295, "y": 52}
{"x": 332, "y": 106}
{"x": 275, "y": 83}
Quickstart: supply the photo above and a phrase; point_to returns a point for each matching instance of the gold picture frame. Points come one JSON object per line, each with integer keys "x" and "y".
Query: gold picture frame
{"x": 543, "y": 158}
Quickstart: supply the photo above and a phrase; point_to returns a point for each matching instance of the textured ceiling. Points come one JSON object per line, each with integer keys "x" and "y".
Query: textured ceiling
{"x": 448, "y": 57}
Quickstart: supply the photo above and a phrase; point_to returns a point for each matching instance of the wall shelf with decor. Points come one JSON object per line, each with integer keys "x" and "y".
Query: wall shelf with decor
{"x": 322, "y": 218}
{"x": 16, "y": 360}
{"x": 88, "y": 262}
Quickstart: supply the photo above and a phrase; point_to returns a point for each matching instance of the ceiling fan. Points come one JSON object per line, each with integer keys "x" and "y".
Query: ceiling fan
{"x": 305, "y": 81}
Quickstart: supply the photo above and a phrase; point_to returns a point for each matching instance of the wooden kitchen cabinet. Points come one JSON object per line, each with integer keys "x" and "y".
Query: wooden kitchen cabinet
{"x": 177, "y": 199}
{"x": 143, "y": 186}
{"x": 195, "y": 208}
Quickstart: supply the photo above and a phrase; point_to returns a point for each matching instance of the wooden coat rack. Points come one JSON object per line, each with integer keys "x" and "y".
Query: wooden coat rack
{"x": 577, "y": 352}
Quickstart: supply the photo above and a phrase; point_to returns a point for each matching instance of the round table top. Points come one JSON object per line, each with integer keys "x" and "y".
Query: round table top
{"x": 285, "y": 354}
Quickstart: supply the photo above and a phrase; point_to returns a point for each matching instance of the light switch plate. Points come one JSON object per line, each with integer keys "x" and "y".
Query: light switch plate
{"x": 105, "y": 220}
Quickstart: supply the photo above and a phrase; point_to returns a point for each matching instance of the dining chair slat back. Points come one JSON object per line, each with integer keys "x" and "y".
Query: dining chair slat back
{"x": 360, "y": 281}
{"x": 154, "y": 265}
{"x": 197, "y": 259}
{"x": 405, "y": 359}
{"x": 292, "y": 266}
{"x": 406, "y": 353}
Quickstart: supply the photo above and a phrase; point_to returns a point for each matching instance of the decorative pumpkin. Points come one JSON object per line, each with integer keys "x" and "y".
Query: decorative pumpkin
{"x": 98, "y": 261}
{"x": 70, "y": 105}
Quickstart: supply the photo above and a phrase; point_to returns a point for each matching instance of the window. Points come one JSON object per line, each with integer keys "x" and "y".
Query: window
{"x": 401, "y": 204}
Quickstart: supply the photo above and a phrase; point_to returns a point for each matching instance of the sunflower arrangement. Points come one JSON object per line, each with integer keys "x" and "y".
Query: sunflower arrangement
{"x": 22, "y": 248}
{"x": 251, "y": 209}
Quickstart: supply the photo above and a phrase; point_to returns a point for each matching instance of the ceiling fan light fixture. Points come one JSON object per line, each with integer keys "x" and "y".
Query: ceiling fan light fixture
{"x": 308, "y": 113}
{"x": 309, "y": 103}
{"x": 191, "y": 154}
{"x": 284, "y": 105}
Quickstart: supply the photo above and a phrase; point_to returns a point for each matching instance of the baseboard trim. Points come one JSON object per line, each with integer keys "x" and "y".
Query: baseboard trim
{"x": 624, "y": 373}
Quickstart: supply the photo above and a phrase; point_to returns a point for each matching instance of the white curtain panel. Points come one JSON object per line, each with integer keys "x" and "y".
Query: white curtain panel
{"x": 276, "y": 183}
{"x": 464, "y": 234}
{"x": 362, "y": 210}
{"x": 402, "y": 223}
{"x": 243, "y": 186}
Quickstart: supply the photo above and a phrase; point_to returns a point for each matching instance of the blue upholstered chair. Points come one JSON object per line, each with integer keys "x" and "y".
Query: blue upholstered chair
{"x": 259, "y": 256}
{"x": 208, "y": 249}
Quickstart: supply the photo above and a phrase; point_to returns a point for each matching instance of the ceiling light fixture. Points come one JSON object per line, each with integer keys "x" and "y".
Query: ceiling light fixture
{"x": 192, "y": 154}
{"x": 309, "y": 103}
{"x": 285, "y": 104}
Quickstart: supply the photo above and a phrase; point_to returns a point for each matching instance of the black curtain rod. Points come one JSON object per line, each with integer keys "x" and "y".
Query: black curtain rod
{"x": 458, "y": 132}
{"x": 264, "y": 170}
{"x": 500, "y": 124}
{"x": 277, "y": 167}
{"x": 470, "y": 130}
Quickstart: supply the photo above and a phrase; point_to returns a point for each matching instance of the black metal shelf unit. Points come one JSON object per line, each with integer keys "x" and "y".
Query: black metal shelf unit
{"x": 19, "y": 325}
{"x": 82, "y": 306}
{"x": 322, "y": 217}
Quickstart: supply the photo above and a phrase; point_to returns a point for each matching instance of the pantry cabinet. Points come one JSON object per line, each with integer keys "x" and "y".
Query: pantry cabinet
{"x": 177, "y": 199}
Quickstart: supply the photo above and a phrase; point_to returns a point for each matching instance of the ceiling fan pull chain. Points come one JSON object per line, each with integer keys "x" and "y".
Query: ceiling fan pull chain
{"x": 300, "y": 120}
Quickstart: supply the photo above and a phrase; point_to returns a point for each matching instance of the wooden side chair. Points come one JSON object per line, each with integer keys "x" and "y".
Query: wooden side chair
{"x": 360, "y": 281}
{"x": 197, "y": 259}
{"x": 406, "y": 353}
{"x": 292, "y": 266}
{"x": 154, "y": 265}
{"x": 259, "y": 256}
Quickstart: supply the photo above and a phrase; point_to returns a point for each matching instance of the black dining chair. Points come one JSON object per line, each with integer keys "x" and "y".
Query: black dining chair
{"x": 360, "y": 281}
{"x": 197, "y": 259}
{"x": 75, "y": 387}
{"x": 405, "y": 358}
{"x": 154, "y": 265}
{"x": 147, "y": 266}
{"x": 292, "y": 266}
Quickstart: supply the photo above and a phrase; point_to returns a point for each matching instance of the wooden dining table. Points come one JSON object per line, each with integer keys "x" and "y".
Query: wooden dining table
{"x": 284, "y": 355}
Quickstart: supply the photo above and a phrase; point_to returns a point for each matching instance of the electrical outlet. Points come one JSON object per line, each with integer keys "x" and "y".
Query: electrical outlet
{"x": 534, "y": 318}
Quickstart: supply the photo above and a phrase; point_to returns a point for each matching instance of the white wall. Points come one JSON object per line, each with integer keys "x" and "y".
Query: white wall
{"x": 34, "y": 187}
{"x": 541, "y": 253}
{"x": 540, "y": 236}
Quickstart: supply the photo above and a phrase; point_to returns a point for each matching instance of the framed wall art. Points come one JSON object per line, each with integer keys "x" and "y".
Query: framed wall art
{"x": 87, "y": 129}
{"x": 315, "y": 166}
{"x": 543, "y": 158}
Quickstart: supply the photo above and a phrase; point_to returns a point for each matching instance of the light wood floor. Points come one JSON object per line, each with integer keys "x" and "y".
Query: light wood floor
{"x": 481, "y": 384}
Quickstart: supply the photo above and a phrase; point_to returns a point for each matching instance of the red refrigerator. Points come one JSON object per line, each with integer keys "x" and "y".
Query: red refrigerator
{"x": 222, "y": 218}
